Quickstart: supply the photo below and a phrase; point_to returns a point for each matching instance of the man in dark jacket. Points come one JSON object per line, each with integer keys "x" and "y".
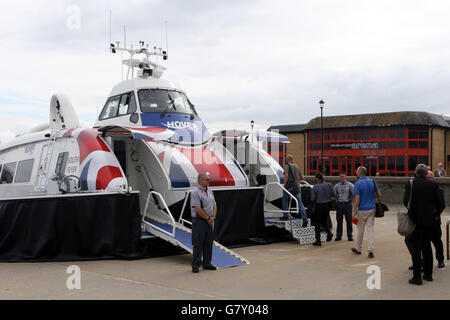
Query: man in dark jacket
{"x": 436, "y": 237}
{"x": 321, "y": 194}
{"x": 425, "y": 201}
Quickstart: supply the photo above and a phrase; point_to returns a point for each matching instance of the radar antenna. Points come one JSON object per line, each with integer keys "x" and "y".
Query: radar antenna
{"x": 145, "y": 67}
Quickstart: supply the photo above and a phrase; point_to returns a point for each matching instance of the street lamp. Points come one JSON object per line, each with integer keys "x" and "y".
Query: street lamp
{"x": 252, "y": 123}
{"x": 321, "y": 102}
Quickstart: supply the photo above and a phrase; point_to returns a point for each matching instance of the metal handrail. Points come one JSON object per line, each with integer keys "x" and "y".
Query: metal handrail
{"x": 448, "y": 249}
{"x": 290, "y": 195}
{"x": 181, "y": 219}
{"x": 169, "y": 214}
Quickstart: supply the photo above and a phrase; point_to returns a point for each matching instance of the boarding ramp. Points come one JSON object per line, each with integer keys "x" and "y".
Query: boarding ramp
{"x": 302, "y": 231}
{"x": 160, "y": 223}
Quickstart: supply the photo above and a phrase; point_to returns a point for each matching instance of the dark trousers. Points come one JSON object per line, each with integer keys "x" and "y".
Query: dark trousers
{"x": 344, "y": 210}
{"x": 419, "y": 243}
{"x": 437, "y": 241}
{"x": 202, "y": 240}
{"x": 320, "y": 219}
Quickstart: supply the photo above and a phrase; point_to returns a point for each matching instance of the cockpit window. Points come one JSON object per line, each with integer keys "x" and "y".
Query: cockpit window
{"x": 159, "y": 100}
{"x": 118, "y": 106}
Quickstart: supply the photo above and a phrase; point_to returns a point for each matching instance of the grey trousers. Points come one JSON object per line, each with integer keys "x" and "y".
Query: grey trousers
{"x": 202, "y": 240}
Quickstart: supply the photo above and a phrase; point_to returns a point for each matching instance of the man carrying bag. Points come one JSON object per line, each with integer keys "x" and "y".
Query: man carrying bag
{"x": 292, "y": 178}
{"x": 425, "y": 200}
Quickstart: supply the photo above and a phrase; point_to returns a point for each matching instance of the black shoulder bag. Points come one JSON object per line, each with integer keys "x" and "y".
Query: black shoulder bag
{"x": 380, "y": 207}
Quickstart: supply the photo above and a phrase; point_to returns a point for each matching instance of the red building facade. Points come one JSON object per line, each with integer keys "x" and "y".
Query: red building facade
{"x": 393, "y": 151}
{"x": 387, "y": 144}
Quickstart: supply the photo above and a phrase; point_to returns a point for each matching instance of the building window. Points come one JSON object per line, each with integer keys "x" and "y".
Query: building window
{"x": 401, "y": 144}
{"x": 423, "y": 144}
{"x": 335, "y": 163}
{"x": 391, "y": 163}
{"x": 412, "y": 163}
{"x": 24, "y": 169}
{"x": 381, "y": 163}
{"x": 391, "y": 134}
{"x": 423, "y": 159}
{"x": 401, "y": 163}
{"x": 401, "y": 133}
{"x": 357, "y": 163}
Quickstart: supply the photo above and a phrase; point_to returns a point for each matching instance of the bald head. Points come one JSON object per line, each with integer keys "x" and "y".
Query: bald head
{"x": 361, "y": 172}
{"x": 203, "y": 179}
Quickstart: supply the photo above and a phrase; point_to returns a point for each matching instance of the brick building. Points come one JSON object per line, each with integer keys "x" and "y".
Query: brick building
{"x": 391, "y": 144}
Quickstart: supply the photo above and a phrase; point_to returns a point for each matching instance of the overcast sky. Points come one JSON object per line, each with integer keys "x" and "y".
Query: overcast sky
{"x": 267, "y": 61}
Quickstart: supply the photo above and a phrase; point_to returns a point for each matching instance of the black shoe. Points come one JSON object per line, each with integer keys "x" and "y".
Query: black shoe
{"x": 350, "y": 239}
{"x": 337, "y": 239}
{"x": 441, "y": 264}
{"x": 371, "y": 255}
{"x": 329, "y": 237}
{"x": 428, "y": 278}
{"x": 195, "y": 270}
{"x": 356, "y": 251}
{"x": 317, "y": 243}
{"x": 416, "y": 281}
{"x": 209, "y": 267}
{"x": 305, "y": 223}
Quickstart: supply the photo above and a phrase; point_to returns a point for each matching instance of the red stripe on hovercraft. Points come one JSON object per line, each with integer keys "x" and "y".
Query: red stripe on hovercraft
{"x": 105, "y": 175}
{"x": 88, "y": 141}
{"x": 204, "y": 160}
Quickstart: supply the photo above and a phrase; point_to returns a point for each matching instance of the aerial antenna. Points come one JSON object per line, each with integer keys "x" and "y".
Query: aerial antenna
{"x": 167, "y": 43}
{"x": 110, "y": 20}
{"x": 124, "y": 43}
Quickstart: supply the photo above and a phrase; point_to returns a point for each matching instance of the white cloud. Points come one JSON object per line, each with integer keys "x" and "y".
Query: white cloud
{"x": 266, "y": 61}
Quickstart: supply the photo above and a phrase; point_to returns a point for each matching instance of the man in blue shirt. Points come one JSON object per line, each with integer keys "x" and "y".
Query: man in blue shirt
{"x": 364, "y": 209}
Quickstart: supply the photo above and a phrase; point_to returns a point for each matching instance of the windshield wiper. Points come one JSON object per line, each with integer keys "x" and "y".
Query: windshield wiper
{"x": 167, "y": 107}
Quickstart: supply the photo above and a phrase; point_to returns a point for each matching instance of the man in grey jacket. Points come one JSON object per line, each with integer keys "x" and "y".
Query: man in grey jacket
{"x": 321, "y": 194}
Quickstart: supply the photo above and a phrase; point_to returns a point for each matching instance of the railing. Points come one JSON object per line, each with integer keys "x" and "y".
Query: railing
{"x": 181, "y": 219}
{"x": 448, "y": 249}
{"x": 168, "y": 213}
{"x": 290, "y": 199}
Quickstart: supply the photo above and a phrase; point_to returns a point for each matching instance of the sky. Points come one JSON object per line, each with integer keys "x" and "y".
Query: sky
{"x": 267, "y": 61}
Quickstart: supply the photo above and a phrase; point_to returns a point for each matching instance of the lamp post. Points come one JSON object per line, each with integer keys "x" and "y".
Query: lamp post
{"x": 252, "y": 123}
{"x": 321, "y": 102}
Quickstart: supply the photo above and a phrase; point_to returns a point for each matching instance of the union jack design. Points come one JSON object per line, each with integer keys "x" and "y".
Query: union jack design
{"x": 184, "y": 164}
{"x": 99, "y": 168}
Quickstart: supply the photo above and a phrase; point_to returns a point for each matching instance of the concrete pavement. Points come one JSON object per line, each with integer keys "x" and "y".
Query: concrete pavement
{"x": 276, "y": 271}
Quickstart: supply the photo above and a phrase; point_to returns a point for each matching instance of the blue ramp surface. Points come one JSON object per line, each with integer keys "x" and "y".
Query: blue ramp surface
{"x": 222, "y": 257}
